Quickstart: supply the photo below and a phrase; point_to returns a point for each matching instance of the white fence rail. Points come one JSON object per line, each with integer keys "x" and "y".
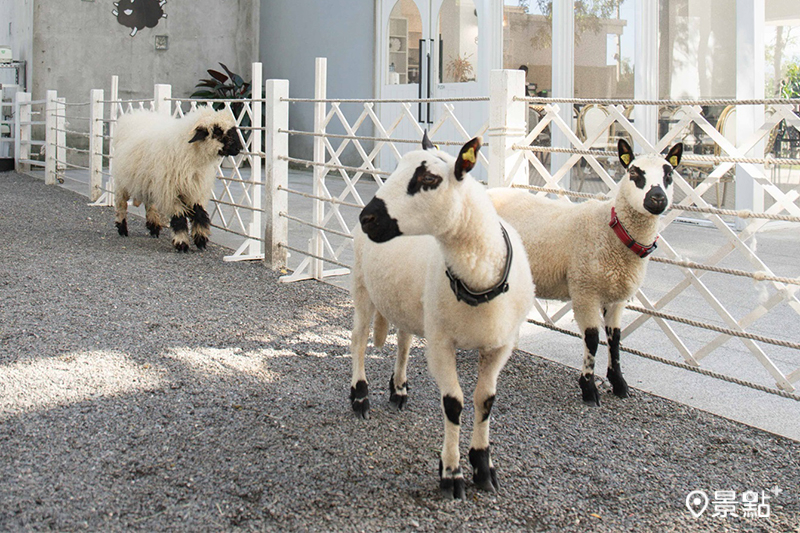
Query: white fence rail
{"x": 737, "y": 187}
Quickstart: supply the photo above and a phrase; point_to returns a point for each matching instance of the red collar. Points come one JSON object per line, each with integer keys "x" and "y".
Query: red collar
{"x": 627, "y": 240}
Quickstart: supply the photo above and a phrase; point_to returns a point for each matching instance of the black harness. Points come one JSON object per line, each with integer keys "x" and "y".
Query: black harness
{"x": 464, "y": 294}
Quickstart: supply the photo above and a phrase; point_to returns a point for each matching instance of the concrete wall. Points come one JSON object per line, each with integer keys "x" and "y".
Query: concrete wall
{"x": 79, "y": 45}
{"x": 294, "y": 33}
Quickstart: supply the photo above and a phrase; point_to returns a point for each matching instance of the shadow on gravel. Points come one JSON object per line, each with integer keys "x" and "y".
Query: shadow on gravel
{"x": 145, "y": 390}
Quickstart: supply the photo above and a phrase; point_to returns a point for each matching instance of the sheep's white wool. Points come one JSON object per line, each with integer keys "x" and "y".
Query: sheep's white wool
{"x": 156, "y": 165}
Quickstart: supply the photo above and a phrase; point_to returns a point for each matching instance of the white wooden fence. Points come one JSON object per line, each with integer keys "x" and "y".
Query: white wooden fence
{"x": 253, "y": 202}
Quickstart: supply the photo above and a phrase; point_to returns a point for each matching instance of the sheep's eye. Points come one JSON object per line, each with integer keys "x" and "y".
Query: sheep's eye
{"x": 637, "y": 177}
{"x": 218, "y": 131}
{"x": 428, "y": 179}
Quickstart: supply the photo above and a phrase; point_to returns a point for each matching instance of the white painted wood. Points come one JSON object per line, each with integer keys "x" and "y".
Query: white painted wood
{"x": 113, "y": 115}
{"x": 320, "y": 93}
{"x": 276, "y": 231}
{"x": 22, "y": 130}
{"x": 749, "y": 84}
{"x": 95, "y": 144}
{"x": 508, "y": 125}
{"x": 50, "y": 138}
{"x": 61, "y": 134}
{"x": 161, "y": 94}
{"x": 646, "y": 69}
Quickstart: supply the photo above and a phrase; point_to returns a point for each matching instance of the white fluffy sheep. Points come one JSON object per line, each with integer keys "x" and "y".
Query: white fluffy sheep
{"x": 580, "y": 252}
{"x": 169, "y": 165}
{"x": 457, "y": 275}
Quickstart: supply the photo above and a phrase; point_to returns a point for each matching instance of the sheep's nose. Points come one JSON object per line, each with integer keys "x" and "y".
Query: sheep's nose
{"x": 367, "y": 219}
{"x": 655, "y": 201}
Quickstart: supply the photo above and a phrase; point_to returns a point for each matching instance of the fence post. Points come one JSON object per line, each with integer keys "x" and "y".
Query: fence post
{"x": 61, "y": 137}
{"x": 508, "y": 125}
{"x": 318, "y": 211}
{"x": 22, "y": 127}
{"x": 162, "y": 93}
{"x": 113, "y": 116}
{"x": 276, "y": 201}
{"x": 257, "y": 225}
{"x": 50, "y": 138}
{"x": 95, "y": 144}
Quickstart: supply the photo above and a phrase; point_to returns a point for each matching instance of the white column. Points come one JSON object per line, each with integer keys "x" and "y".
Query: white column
{"x": 61, "y": 137}
{"x": 22, "y": 133}
{"x": 113, "y": 116}
{"x": 162, "y": 92}
{"x": 256, "y": 148}
{"x": 276, "y": 201}
{"x": 96, "y": 144}
{"x": 749, "y": 85}
{"x": 320, "y": 93}
{"x": 508, "y": 125}
{"x": 563, "y": 33}
{"x": 50, "y": 138}
{"x": 645, "y": 61}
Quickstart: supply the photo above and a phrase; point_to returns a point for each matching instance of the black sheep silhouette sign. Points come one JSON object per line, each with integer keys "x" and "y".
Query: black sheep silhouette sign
{"x": 139, "y": 14}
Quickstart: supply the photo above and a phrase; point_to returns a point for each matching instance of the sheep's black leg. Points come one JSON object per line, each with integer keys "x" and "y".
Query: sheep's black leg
{"x": 153, "y": 221}
{"x": 121, "y": 207}
{"x": 180, "y": 233}
{"x": 364, "y": 311}
{"x": 398, "y": 384}
{"x": 441, "y": 357}
{"x": 490, "y": 364}
{"x": 591, "y": 339}
{"x": 614, "y": 374}
{"x": 201, "y": 226}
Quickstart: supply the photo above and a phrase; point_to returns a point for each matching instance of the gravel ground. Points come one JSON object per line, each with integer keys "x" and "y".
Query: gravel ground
{"x": 145, "y": 390}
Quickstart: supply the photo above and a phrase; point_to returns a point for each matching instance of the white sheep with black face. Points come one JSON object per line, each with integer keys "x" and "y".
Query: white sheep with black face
{"x": 169, "y": 164}
{"x": 595, "y": 253}
{"x": 433, "y": 258}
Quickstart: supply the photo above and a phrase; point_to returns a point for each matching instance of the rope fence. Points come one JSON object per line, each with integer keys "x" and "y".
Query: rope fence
{"x": 385, "y": 100}
{"x": 677, "y": 364}
{"x": 367, "y": 138}
{"x": 309, "y": 163}
{"x": 313, "y": 256}
{"x": 701, "y": 102}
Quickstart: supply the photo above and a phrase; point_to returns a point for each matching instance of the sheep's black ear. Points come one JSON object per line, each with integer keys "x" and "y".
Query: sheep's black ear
{"x": 467, "y": 157}
{"x": 199, "y": 135}
{"x": 625, "y": 153}
{"x": 426, "y": 142}
{"x": 674, "y": 155}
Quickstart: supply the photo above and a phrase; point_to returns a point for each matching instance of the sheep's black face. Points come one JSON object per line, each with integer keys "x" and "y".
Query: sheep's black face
{"x": 376, "y": 222}
{"x": 231, "y": 145}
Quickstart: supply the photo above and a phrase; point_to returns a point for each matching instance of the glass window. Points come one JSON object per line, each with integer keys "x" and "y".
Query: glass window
{"x": 458, "y": 41}
{"x": 405, "y": 31}
{"x": 527, "y": 43}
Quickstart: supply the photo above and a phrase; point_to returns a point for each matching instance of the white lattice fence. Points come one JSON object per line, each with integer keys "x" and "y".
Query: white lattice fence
{"x": 699, "y": 313}
{"x": 339, "y": 191}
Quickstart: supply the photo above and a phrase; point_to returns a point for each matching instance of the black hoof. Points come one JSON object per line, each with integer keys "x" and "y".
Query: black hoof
{"x": 589, "y": 390}
{"x": 483, "y": 475}
{"x": 359, "y": 399}
{"x": 122, "y": 228}
{"x": 451, "y": 483}
{"x": 398, "y": 396}
{"x": 154, "y": 229}
{"x": 201, "y": 242}
{"x": 618, "y": 384}
{"x": 181, "y": 247}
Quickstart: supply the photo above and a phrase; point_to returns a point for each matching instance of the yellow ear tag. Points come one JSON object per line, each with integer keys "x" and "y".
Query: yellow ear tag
{"x": 673, "y": 160}
{"x": 469, "y": 155}
{"x": 626, "y": 158}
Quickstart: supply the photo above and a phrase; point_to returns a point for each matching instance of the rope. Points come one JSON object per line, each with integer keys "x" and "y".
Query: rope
{"x": 710, "y": 101}
{"x": 240, "y": 234}
{"x": 315, "y": 226}
{"x": 386, "y": 100}
{"x": 744, "y": 213}
{"x": 308, "y": 163}
{"x": 249, "y": 208}
{"x": 718, "y": 329}
{"x": 238, "y": 180}
{"x": 81, "y": 133}
{"x": 124, "y": 101}
{"x": 330, "y": 200}
{"x": 75, "y": 105}
{"x": 365, "y": 138}
{"x": 688, "y": 158}
{"x": 758, "y": 276}
{"x": 309, "y": 254}
{"x": 677, "y": 364}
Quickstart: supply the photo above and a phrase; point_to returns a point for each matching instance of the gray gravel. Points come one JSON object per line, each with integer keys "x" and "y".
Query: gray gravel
{"x": 145, "y": 390}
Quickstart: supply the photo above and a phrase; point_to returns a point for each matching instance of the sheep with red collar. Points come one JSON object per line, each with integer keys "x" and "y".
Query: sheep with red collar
{"x": 169, "y": 164}
{"x": 433, "y": 258}
{"x": 595, "y": 253}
